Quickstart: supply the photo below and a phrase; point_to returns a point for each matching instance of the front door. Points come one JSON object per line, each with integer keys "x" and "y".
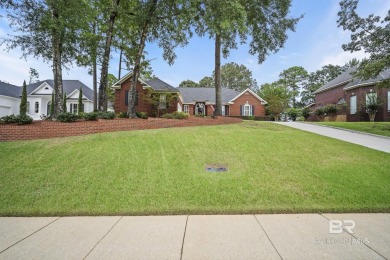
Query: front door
{"x": 200, "y": 109}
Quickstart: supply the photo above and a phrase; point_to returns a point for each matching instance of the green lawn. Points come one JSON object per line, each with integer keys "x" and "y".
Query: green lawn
{"x": 378, "y": 128}
{"x": 272, "y": 168}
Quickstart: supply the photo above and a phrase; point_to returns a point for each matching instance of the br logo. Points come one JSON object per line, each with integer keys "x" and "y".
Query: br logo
{"x": 336, "y": 226}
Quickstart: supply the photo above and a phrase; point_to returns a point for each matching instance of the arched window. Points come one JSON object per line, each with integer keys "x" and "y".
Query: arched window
{"x": 48, "y": 108}
{"x": 36, "y": 107}
{"x": 341, "y": 101}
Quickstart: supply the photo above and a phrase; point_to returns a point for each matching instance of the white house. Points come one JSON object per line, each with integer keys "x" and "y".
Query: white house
{"x": 39, "y": 98}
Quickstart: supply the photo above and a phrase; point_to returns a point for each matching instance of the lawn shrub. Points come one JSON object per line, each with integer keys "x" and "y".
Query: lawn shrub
{"x": 167, "y": 116}
{"x": 300, "y": 119}
{"x": 331, "y": 109}
{"x": 106, "y": 115}
{"x": 305, "y": 112}
{"x": 9, "y": 119}
{"x": 123, "y": 115}
{"x": 293, "y": 113}
{"x": 143, "y": 115}
{"x": 93, "y": 116}
{"x": 67, "y": 117}
{"x": 175, "y": 115}
{"x": 23, "y": 119}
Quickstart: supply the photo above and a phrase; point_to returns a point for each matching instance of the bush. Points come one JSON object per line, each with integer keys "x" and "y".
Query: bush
{"x": 251, "y": 117}
{"x": 9, "y": 119}
{"x": 18, "y": 119}
{"x": 106, "y": 115}
{"x": 168, "y": 116}
{"x": 300, "y": 119}
{"x": 320, "y": 111}
{"x": 67, "y": 117}
{"x": 203, "y": 116}
{"x": 123, "y": 115}
{"x": 180, "y": 115}
{"x": 143, "y": 115}
{"x": 331, "y": 109}
{"x": 23, "y": 119}
{"x": 293, "y": 113}
{"x": 305, "y": 112}
{"x": 93, "y": 116}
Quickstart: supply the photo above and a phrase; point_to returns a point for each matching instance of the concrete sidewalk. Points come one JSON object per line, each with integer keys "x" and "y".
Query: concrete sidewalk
{"x": 280, "y": 236}
{"x": 371, "y": 141}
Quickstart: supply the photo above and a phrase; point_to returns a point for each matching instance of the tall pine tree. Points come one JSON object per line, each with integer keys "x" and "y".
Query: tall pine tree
{"x": 23, "y": 101}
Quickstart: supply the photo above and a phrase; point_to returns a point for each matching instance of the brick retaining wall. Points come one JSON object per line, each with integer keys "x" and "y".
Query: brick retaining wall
{"x": 49, "y": 129}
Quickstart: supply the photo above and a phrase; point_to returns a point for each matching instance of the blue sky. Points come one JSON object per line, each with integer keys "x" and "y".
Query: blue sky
{"x": 316, "y": 42}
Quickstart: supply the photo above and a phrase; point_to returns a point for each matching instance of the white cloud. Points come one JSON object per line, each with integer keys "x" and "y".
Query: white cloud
{"x": 342, "y": 57}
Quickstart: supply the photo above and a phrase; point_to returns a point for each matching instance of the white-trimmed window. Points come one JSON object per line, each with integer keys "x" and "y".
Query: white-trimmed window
{"x": 388, "y": 100}
{"x": 247, "y": 110}
{"x": 223, "y": 111}
{"x": 73, "y": 108}
{"x": 186, "y": 109}
{"x": 353, "y": 105}
{"x": 163, "y": 101}
{"x": 36, "y": 108}
{"x": 28, "y": 107}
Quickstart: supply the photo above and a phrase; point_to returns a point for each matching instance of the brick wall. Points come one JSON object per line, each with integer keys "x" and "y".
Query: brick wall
{"x": 49, "y": 129}
{"x": 235, "y": 109}
{"x": 330, "y": 96}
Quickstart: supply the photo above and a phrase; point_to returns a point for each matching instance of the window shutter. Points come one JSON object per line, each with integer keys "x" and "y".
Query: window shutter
{"x": 136, "y": 98}
{"x": 253, "y": 110}
{"x": 126, "y": 98}
{"x": 241, "y": 111}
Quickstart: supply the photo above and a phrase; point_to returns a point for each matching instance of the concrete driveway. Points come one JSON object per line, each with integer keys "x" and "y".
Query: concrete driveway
{"x": 372, "y": 141}
{"x": 280, "y": 236}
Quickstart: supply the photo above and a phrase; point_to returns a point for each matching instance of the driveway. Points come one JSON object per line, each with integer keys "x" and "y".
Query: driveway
{"x": 371, "y": 141}
{"x": 279, "y": 236}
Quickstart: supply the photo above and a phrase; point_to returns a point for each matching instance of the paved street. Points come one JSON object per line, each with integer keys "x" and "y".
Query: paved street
{"x": 280, "y": 236}
{"x": 371, "y": 141}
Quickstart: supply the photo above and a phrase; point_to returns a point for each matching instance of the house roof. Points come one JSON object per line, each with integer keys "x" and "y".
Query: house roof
{"x": 68, "y": 87}
{"x": 191, "y": 95}
{"x": 9, "y": 90}
{"x": 347, "y": 79}
{"x": 158, "y": 85}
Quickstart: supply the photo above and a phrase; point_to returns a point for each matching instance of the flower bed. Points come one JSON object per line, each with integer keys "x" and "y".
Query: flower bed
{"x": 50, "y": 129}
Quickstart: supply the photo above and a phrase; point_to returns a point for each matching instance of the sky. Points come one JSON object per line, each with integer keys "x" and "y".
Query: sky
{"x": 316, "y": 42}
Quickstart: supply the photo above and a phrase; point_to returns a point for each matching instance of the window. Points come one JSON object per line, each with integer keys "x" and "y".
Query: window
{"x": 28, "y": 107}
{"x": 36, "y": 107}
{"x": 186, "y": 109}
{"x": 163, "y": 101}
{"x": 246, "y": 110}
{"x": 178, "y": 107}
{"x": 352, "y": 105}
{"x": 223, "y": 111}
{"x": 73, "y": 108}
{"x": 388, "y": 100}
{"x": 341, "y": 101}
{"x": 126, "y": 98}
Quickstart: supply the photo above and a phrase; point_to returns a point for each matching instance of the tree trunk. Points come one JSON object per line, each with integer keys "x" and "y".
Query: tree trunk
{"x": 217, "y": 69}
{"x": 136, "y": 71}
{"x": 94, "y": 71}
{"x": 57, "y": 66}
{"x": 120, "y": 63}
{"x": 106, "y": 57}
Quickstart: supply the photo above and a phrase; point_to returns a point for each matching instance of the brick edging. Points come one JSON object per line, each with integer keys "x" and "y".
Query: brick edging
{"x": 50, "y": 129}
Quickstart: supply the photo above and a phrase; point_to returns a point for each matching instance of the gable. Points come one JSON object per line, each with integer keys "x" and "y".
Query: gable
{"x": 250, "y": 93}
{"x": 75, "y": 95}
{"x": 43, "y": 89}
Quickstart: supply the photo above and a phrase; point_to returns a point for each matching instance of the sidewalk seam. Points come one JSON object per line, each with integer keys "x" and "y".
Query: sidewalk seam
{"x": 268, "y": 237}
{"x": 358, "y": 238}
{"x": 184, "y": 236}
{"x": 29, "y": 235}
{"x": 103, "y": 237}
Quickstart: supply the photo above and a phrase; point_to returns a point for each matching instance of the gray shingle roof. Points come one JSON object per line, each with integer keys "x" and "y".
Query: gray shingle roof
{"x": 191, "y": 95}
{"x": 9, "y": 90}
{"x": 347, "y": 78}
{"x": 68, "y": 87}
{"x": 159, "y": 85}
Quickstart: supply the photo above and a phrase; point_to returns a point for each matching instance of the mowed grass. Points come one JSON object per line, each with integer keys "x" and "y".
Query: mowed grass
{"x": 272, "y": 169}
{"x": 378, "y": 128}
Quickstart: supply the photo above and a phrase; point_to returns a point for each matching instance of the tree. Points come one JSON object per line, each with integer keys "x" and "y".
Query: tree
{"x": 277, "y": 97}
{"x": 110, "y": 91}
{"x": 266, "y": 23}
{"x": 188, "y": 84}
{"x": 49, "y": 30}
{"x": 155, "y": 100}
{"x": 237, "y": 77}
{"x": 165, "y": 22}
{"x": 34, "y": 76}
{"x": 64, "y": 108}
{"x": 207, "y": 82}
{"x": 52, "y": 104}
{"x": 293, "y": 79}
{"x": 370, "y": 34}
{"x": 80, "y": 101}
{"x": 23, "y": 100}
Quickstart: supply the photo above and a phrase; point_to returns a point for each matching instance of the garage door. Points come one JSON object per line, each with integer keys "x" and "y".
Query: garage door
{"x": 4, "y": 111}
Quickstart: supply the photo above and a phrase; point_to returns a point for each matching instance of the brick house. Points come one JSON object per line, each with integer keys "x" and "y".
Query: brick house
{"x": 194, "y": 101}
{"x": 353, "y": 92}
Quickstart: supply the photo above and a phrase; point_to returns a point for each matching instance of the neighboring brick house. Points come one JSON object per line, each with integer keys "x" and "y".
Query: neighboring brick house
{"x": 194, "y": 101}
{"x": 354, "y": 92}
